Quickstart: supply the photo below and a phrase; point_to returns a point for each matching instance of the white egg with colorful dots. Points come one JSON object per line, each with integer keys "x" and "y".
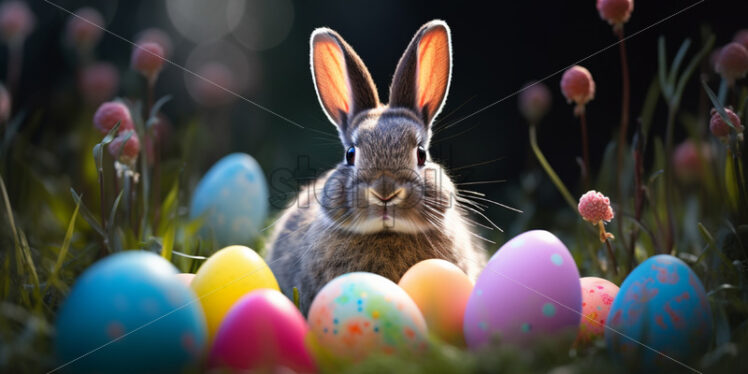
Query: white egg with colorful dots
{"x": 529, "y": 289}
{"x": 232, "y": 199}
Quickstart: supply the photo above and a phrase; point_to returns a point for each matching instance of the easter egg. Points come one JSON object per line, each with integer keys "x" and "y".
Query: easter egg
{"x": 529, "y": 289}
{"x": 360, "y": 313}
{"x": 129, "y": 313}
{"x": 441, "y": 291}
{"x": 597, "y": 298}
{"x": 225, "y": 277}
{"x": 186, "y": 278}
{"x": 261, "y": 332}
{"x": 661, "y": 310}
{"x": 232, "y": 199}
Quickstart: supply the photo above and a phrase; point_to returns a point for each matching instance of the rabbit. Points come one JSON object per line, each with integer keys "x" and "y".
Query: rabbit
{"x": 387, "y": 205}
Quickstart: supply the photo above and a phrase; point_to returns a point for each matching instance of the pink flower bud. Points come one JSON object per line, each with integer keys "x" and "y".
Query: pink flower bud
{"x": 595, "y": 207}
{"x": 148, "y": 59}
{"x": 16, "y": 21}
{"x": 109, "y": 114}
{"x": 616, "y": 12}
{"x": 5, "y": 104}
{"x": 732, "y": 62}
{"x": 577, "y": 85}
{"x": 720, "y": 128}
{"x": 741, "y": 37}
{"x": 534, "y": 101}
{"x": 129, "y": 150}
{"x": 210, "y": 88}
{"x": 687, "y": 162}
{"x": 98, "y": 82}
{"x": 158, "y": 36}
{"x": 84, "y": 28}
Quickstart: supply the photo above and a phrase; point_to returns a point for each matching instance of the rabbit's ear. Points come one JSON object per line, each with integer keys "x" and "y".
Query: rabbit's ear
{"x": 422, "y": 77}
{"x": 344, "y": 85}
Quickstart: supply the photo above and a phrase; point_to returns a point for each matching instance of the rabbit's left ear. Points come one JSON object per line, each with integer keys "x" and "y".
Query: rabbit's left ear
{"x": 422, "y": 76}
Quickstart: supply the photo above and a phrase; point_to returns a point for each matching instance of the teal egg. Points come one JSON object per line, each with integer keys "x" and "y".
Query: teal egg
{"x": 660, "y": 317}
{"x": 232, "y": 199}
{"x": 130, "y": 313}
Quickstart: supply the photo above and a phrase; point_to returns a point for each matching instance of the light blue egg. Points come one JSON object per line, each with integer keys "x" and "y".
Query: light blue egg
{"x": 129, "y": 313}
{"x": 660, "y": 317}
{"x": 232, "y": 198}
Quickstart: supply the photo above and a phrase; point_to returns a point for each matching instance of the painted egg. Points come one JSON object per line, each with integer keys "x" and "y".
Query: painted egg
{"x": 232, "y": 199}
{"x": 225, "y": 277}
{"x": 186, "y": 278}
{"x": 360, "y": 313}
{"x": 441, "y": 291}
{"x": 661, "y": 311}
{"x": 129, "y": 313}
{"x": 261, "y": 332}
{"x": 597, "y": 298}
{"x": 529, "y": 289}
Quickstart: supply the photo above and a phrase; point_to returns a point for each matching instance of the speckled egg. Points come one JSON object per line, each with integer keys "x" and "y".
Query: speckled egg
{"x": 597, "y": 298}
{"x": 662, "y": 305}
{"x": 225, "y": 277}
{"x": 263, "y": 331}
{"x": 129, "y": 313}
{"x": 232, "y": 198}
{"x": 360, "y": 313}
{"x": 529, "y": 289}
{"x": 441, "y": 290}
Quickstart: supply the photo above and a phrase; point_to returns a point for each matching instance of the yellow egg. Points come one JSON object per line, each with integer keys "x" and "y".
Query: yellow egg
{"x": 441, "y": 290}
{"x": 227, "y": 276}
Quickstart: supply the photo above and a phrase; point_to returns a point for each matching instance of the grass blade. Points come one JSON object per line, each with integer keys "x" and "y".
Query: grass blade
{"x": 87, "y": 215}
{"x": 689, "y": 70}
{"x": 677, "y": 61}
{"x": 661, "y": 71}
{"x": 63, "y": 249}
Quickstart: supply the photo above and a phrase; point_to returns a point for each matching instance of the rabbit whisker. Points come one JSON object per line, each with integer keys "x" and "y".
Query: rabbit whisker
{"x": 481, "y": 182}
{"x": 493, "y": 202}
{"x": 478, "y": 164}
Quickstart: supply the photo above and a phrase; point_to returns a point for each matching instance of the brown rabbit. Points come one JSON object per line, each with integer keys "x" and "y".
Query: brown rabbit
{"x": 386, "y": 206}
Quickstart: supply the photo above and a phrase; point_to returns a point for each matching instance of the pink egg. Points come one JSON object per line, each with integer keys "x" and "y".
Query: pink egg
{"x": 263, "y": 331}
{"x": 597, "y": 298}
{"x": 528, "y": 290}
{"x": 186, "y": 278}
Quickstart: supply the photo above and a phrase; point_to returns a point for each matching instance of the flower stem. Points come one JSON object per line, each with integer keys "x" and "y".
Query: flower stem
{"x": 549, "y": 170}
{"x": 585, "y": 148}
{"x": 625, "y": 103}
{"x": 613, "y": 262}
{"x": 670, "y": 234}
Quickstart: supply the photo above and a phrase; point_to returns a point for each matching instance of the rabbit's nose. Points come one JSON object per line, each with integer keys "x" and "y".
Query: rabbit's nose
{"x": 386, "y": 198}
{"x": 385, "y": 190}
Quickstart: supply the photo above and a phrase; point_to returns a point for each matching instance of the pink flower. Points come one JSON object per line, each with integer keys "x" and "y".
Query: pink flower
{"x": 84, "y": 28}
{"x": 210, "y": 88}
{"x": 732, "y": 62}
{"x": 577, "y": 85}
{"x": 687, "y": 161}
{"x": 126, "y": 152}
{"x": 98, "y": 82}
{"x": 158, "y": 36}
{"x": 5, "y": 104}
{"x": 595, "y": 207}
{"x": 109, "y": 114}
{"x": 616, "y": 12}
{"x": 16, "y": 21}
{"x": 534, "y": 101}
{"x": 741, "y": 37}
{"x": 720, "y": 128}
{"x": 148, "y": 59}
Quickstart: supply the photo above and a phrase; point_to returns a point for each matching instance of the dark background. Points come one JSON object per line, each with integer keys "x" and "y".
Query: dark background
{"x": 498, "y": 47}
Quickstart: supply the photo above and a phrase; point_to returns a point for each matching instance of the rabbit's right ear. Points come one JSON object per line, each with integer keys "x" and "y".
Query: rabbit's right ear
{"x": 344, "y": 85}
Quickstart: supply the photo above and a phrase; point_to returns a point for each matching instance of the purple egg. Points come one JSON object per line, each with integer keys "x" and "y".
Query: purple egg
{"x": 529, "y": 289}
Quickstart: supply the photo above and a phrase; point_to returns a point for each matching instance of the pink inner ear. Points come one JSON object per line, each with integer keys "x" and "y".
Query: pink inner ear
{"x": 433, "y": 69}
{"x": 330, "y": 75}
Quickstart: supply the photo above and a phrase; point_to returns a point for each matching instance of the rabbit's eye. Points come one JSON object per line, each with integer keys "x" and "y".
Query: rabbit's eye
{"x": 421, "y": 155}
{"x": 350, "y": 155}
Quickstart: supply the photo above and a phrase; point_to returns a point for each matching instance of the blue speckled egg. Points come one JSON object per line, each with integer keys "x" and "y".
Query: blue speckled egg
{"x": 129, "y": 313}
{"x": 662, "y": 305}
{"x": 232, "y": 198}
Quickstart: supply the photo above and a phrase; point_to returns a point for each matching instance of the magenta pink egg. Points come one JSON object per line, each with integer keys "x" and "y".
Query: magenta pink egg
{"x": 528, "y": 290}
{"x": 263, "y": 331}
{"x": 597, "y": 298}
